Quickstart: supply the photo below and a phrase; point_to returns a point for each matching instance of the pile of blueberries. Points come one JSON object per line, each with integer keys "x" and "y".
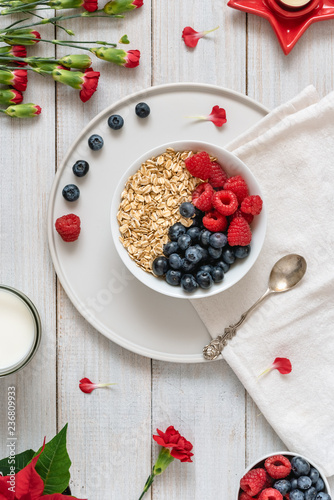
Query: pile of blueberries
{"x": 196, "y": 257}
{"x": 303, "y": 483}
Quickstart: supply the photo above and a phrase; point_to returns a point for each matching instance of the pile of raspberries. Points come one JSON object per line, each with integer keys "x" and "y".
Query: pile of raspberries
{"x": 225, "y": 200}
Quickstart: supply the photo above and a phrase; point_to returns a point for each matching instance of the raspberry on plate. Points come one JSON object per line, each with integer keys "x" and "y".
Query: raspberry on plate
{"x": 68, "y": 226}
{"x": 238, "y": 186}
{"x": 202, "y": 196}
{"x": 239, "y": 233}
{"x": 253, "y": 481}
{"x": 214, "y": 221}
{"x": 218, "y": 176}
{"x": 270, "y": 494}
{"x": 238, "y": 213}
{"x": 199, "y": 165}
{"x": 278, "y": 466}
{"x": 225, "y": 202}
{"x": 252, "y": 205}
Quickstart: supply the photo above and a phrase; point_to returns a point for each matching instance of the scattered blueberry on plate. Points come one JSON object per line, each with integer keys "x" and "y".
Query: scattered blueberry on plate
{"x": 71, "y": 192}
{"x": 95, "y": 142}
{"x": 115, "y": 122}
{"x": 142, "y": 110}
{"x": 80, "y": 168}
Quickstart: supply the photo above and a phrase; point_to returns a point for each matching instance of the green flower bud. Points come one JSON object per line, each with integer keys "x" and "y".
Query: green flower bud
{"x": 23, "y": 110}
{"x": 77, "y": 61}
{"x": 118, "y": 6}
{"x": 72, "y": 78}
{"x": 116, "y": 56}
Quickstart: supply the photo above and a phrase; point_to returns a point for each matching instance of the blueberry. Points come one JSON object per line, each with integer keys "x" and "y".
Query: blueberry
{"x": 142, "y": 110}
{"x": 217, "y": 274}
{"x": 296, "y": 495}
{"x": 206, "y": 268}
{"x": 188, "y": 283}
{"x": 187, "y": 266}
{"x": 197, "y": 222}
{"x": 323, "y": 496}
{"x": 204, "y": 279}
{"x": 228, "y": 256}
{"x": 160, "y": 266}
{"x": 218, "y": 240}
{"x": 175, "y": 261}
{"x": 310, "y": 494}
{"x": 215, "y": 253}
{"x": 175, "y": 231}
{"x": 170, "y": 247}
{"x": 314, "y": 475}
{"x": 193, "y": 254}
{"x": 187, "y": 210}
{"x": 319, "y": 485}
{"x": 115, "y": 122}
{"x": 184, "y": 241}
{"x": 304, "y": 482}
{"x": 193, "y": 232}
{"x": 294, "y": 484}
{"x": 300, "y": 466}
{"x": 242, "y": 252}
{"x": 225, "y": 267}
{"x": 80, "y": 168}
{"x": 204, "y": 237}
{"x": 203, "y": 251}
{"x": 283, "y": 486}
{"x": 71, "y": 192}
{"x": 95, "y": 142}
{"x": 173, "y": 277}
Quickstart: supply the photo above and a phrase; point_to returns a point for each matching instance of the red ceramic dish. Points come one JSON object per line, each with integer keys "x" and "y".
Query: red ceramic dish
{"x": 288, "y": 23}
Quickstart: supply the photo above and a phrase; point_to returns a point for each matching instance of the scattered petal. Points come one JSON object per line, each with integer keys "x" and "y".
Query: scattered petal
{"x": 283, "y": 365}
{"x": 217, "y": 116}
{"x": 191, "y": 37}
{"x": 87, "y": 386}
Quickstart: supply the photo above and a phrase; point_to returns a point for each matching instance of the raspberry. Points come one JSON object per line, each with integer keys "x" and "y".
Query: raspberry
{"x": 252, "y": 205}
{"x": 253, "y": 481}
{"x": 238, "y": 186}
{"x": 245, "y": 496}
{"x": 199, "y": 165}
{"x": 239, "y": 233}
{"x": 238, "y": 213}
{"x": 202, "y": 197}
{"x": 225, "y": 202}
{"x": 270, "y": 494}
{"x": 278, "y": 466}
{"x": 68, "y": 226}
{"x": 218, "y": 177}
{"x": 214, "y": 221}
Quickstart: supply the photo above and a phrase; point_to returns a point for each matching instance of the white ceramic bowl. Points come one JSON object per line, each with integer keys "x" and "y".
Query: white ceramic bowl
{"x": 260, "y": 463}
{"x": 233, "y": 166}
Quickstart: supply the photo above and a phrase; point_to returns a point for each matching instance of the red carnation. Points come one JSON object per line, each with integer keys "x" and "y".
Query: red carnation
{"x": 36, "y": 35}
{"x": 20, "y": 79}
{"x": 138, "y": 3}
{"x": 90, "y": 5}
{"x": 18, "y": 51}
{"x": 89, "y": 85}
{"x": 132, "y": 59}
{"x": 180, "y": 447}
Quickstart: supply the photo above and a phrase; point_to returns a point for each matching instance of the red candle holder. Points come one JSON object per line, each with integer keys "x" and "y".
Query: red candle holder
{"x": 289, "y": 22}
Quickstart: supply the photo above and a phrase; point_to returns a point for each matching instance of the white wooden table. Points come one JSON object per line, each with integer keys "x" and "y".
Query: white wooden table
{"x": 110, "y": 431}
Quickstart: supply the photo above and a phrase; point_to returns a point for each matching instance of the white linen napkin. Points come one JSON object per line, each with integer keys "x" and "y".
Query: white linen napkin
{"x": 291, "y": 152}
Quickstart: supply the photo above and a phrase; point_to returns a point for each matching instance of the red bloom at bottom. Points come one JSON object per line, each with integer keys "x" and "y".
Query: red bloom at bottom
{"x": 180, "y": 448}
{"x": 89, "y": 85}
{"x": 20, "y": 79}
{"x": 132, "y": 59}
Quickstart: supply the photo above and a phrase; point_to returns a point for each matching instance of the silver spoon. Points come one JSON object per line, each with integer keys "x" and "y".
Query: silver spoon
{"x": 285, "y": 274}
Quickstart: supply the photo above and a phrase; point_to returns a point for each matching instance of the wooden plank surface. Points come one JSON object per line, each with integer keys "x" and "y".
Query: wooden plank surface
{"x": 110, "y": 430}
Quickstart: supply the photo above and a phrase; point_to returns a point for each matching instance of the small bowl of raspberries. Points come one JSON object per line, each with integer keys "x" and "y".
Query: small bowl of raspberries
{"x": 188, "y": 219}
{"x": 283, "y": 476}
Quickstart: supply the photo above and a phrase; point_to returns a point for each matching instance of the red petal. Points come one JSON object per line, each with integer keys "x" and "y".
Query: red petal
{"x": 28, "y": 481}
{"x": 89, "y": 86}
{"x": 283, "y": 365}
{"x": 217, "y": 116}
{"x": 132, "y": 59}
{"x": 5, "y": 494}
{"x": 58, "y": 496}
{"x": 86, "y": 385}
{"x": 191, "y": 37}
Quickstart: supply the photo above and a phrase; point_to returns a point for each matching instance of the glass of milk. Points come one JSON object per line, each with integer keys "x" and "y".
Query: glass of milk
{"x": 20, "y": 330}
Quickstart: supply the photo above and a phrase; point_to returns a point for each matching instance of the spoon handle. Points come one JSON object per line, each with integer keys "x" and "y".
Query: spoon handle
{"x": 212, "y": 350}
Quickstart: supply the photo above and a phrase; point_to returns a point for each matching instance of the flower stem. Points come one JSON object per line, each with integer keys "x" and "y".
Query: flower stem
{"x": 52, "y": 20}
{"x": 148, "y": 484}
{"x": 210, "y": 31}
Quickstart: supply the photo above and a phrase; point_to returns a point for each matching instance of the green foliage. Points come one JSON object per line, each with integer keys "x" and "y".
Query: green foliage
{"x": 19, "y": 462}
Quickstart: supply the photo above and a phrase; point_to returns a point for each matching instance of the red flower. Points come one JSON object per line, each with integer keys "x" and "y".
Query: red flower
{"x": 18, "y": 51}
{"x": 138, "y": 3}
{"x": 132, "y": 59}
{"x": 36, "y": 35}
{"x": 17, "y": 97}
{"x": 283, "y": 365}
{"x": 191, "y": 37}
{"x": 87, "y": 386}
{"x": 20, "y": 79}
{"x": 89, "y": 85}
{"x": 180, "y": 447}
{"x": 90, "y": 5}
{"x": 38, "y": 109}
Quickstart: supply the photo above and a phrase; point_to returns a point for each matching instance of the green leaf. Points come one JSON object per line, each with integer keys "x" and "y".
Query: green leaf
{"x": 54, "y": 463}
{"x": 124, "y": 39}
{"x": 19, "y": 462}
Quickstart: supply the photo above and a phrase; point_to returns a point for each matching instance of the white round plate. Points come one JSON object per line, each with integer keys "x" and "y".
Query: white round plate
{"x": 90, "y": 270}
